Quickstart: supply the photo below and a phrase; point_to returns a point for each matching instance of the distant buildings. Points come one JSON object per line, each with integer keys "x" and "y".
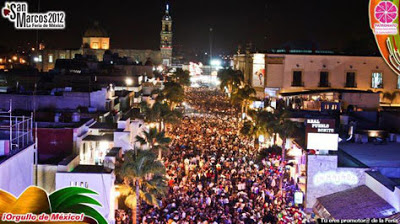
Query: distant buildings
{"x": 96, "y": 42}
{"x": 59, "y": 98}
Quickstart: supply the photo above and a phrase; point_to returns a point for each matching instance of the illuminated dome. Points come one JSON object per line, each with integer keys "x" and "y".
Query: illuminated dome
{"x": 95, "y": 31}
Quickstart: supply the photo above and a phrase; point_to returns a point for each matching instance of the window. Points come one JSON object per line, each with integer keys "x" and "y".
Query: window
{"x": 351, "y": 79}
{"x": 95, "y": 45}
{"x": 377, "y": 81}
{"x": 166, "y": 62}
{"x": 62, "y": 56}
{"x": 297, "y": 79}
{"x": 323, "y": 79}
{"x": 40, "y": 58}
{"x": 50, "y": 58}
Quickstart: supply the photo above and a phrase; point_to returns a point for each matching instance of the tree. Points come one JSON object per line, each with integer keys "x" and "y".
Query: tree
{"x": 260, "y": 124}
{"x": 160, "y": 113}
{"x": 182, "y": 77}
{"x": 155, "y": 140}
{"x": 265, "y": 152}
{"x": 231, "y": 79}
{"x": 286, "y": 129}
{"x": 144, "y": 179}
{"x": 244, "y": 96}
{"x": 391, "y": 96}
{"x": 173, "y": 93}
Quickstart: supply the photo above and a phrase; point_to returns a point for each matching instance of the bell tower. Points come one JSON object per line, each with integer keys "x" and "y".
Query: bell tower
{"x": 166, "y": 38}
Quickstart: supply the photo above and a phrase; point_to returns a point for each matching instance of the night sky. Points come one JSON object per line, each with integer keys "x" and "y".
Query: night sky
{"x": 329, "y": 24}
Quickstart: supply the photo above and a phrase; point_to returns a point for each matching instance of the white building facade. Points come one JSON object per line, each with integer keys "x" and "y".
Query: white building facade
{"x": 275, "y": 73}
{"x": 101, "y": 182}
{"x": 16, "y": 172}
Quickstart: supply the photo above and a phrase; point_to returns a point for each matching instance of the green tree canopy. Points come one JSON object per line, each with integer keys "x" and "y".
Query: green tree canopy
{"x": 231, "y": 79}
{"x": 173, "y": 93}
{"x": 182, "y": 77}
{"x": 143, "y": 180}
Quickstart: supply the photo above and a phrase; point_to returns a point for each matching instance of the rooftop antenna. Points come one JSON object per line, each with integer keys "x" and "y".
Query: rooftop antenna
{"x": 10, "y": 111}
{"x": 211, "y": 42}
{"x": 37, "y": 31}
{"x": 211, "y": 54}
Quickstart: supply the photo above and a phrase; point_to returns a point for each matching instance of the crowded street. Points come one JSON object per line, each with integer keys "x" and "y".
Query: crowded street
{"x": 223, "y": 112}
{"x": 212, "y": 173}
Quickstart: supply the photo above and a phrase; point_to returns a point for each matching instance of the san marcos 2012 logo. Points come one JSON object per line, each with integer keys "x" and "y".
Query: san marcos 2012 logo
{"x": 17, "y": 13}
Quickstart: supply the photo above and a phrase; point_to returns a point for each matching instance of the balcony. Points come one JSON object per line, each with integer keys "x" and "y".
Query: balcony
{"x": 15, "y": 134}
{"x": 297, "y": 84}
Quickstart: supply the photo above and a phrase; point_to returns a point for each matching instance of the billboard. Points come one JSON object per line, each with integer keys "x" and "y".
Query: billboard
{"x": 258, "y": 70}
{"x": 322, "y": 141}
{"x": 271, "y": 92}
{"x": 320, "y": 126}
{"x": 321, "y": 134}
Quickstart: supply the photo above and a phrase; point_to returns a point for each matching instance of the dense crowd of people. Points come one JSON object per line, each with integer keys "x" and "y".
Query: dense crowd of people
{"x": 212, "y": 174}
{"x": 123, "y": 217}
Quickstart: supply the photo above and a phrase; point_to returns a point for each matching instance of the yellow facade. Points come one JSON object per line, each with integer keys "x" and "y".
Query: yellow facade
{"x": 96, "y": 43}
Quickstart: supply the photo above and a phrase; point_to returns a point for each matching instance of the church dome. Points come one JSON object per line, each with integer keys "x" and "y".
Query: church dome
{"x": 95, "y": 31}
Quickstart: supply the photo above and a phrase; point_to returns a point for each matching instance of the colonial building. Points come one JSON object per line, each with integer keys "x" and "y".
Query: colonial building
{"x": 276, "y": 73}
{"x": 96, "y": 41}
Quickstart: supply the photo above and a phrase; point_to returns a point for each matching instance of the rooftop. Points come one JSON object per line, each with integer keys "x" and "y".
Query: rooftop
{"x": 356, "y": 203}
{"x": 385, "y": 181}
{"x": 12, "y": 153}
{"x": 104, "y": 125}
{"x": 67, "y": 160}
{"x": 52, "y": 124}
{"x": 325, "y": 91}
{"x": 309, "y": 51}
{"x": 374, "y": 155}
{"x": 91, "y": 169}
{"x": 114, "y": 152}
{"x": 95, "y": 31}
{"x": 122, "y": 93}
{"x": 50, "y": 160}
{"x": 106, "y": 137}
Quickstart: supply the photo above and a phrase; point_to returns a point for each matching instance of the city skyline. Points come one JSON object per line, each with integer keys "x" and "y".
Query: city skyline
{"x": 136, "y": 25}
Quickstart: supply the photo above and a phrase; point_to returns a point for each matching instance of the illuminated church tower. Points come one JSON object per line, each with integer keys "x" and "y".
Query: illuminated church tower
{"x": 166, "y": 38}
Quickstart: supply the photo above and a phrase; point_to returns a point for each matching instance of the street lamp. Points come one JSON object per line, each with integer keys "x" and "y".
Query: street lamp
{"x": 128, "y": 81}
